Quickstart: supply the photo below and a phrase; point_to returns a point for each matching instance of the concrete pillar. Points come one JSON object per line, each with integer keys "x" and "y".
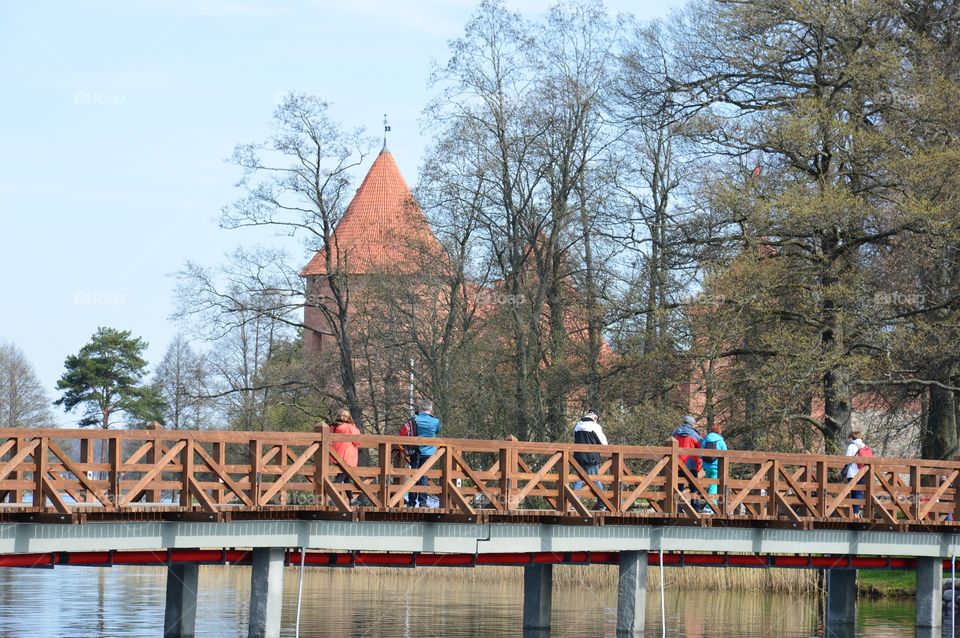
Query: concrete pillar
{"x": 266, "y": 592}
{"x": 537, "y": 595}
{"x": 180, "y": 614}
{"x": 841, "y": 597}
{"x": 632, "y": 592}
{"x": 929, "y": 592}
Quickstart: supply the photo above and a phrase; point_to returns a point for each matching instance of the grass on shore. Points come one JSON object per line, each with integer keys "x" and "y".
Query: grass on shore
{"x": 886, "y": 584}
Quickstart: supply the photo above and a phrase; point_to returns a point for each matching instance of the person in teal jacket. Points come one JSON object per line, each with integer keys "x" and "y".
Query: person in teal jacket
{"x": 713, "y": 441}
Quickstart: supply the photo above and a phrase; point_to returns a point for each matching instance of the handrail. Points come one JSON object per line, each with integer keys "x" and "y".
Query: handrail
{"x": 76, "y": 474}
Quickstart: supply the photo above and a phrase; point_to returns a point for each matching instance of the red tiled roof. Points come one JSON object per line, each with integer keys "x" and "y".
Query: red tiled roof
{"x": 383, "y": 229}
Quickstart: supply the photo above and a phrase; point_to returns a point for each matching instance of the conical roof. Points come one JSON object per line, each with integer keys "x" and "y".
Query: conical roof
{"x": 383, "y": 229}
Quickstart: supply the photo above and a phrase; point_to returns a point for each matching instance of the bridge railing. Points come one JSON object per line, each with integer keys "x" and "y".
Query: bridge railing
{"x": 110, "y": 474}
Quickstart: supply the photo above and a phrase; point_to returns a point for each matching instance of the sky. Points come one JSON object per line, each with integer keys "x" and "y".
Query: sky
{"x": 117, "y": 118}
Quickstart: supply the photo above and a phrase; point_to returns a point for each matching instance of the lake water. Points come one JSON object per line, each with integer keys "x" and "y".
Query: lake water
{"x": 128, "y": 601}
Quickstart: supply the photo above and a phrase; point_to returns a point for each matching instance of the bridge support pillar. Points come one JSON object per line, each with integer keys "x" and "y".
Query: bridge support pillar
{"x": 929, "y": 594}
{"x": 632, "y": 592}
{"x": 266, "y": 592}
{"x": 180, "y": 613}
{"x": 841, "y": 597}
{"x": 537, "y": 595}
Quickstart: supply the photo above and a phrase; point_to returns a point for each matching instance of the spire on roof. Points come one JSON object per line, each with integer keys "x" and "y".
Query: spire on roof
{"x": 386, "y": 129}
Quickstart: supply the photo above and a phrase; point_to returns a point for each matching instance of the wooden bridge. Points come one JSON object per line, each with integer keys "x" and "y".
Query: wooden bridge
{"x": 185, "y": 498}
{"x": 59, "y": 475}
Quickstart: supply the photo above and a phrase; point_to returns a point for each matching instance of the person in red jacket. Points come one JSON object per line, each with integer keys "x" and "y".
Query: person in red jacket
{"x": 347, "y": 450}
{"x": 687, "y": 436}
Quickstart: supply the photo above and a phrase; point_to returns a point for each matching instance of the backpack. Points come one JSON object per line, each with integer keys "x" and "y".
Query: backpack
{"x": 409, "y": 428}
{"x": 865, "y": 452}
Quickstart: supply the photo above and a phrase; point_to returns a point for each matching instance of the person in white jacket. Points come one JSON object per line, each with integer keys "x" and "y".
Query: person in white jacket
{"x": 854, "y": 443}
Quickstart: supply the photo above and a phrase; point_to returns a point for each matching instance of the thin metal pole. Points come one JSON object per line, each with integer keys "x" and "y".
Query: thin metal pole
{"x": 412, "y": 407}
{"x": 953, "y": 595}
{"x": 303, "y": 558}
{"x": 663, "y": 604}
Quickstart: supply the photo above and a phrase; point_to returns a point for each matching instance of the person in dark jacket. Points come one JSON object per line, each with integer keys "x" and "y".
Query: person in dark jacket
{"x": 427, "y": 426}
{"x": 588, "y": 431}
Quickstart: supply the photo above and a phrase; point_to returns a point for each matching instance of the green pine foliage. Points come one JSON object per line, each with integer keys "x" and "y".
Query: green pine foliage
{"x": 105, "y": 379}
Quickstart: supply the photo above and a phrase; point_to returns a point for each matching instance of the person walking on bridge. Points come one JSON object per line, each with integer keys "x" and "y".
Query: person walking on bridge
{"x": 349, "y": 451}
{"x": 687, "y": 436}
{"x": 856, "y": 447}
{"x": 711, "y": 465}
{"x": 426, "y": 425}
{"x": 588, "y": 431}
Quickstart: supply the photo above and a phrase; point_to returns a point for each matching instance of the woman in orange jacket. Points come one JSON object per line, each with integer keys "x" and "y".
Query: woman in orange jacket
{"x": 347, "y": 450}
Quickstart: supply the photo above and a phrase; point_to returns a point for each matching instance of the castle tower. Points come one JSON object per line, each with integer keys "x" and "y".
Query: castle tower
{"x": 382, "y": 232}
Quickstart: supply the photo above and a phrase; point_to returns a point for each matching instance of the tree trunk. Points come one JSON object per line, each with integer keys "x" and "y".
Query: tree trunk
{"x": 939, "y": 440}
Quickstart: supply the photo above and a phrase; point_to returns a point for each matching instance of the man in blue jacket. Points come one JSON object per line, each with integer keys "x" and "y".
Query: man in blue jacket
{"x": 427, "y": 426}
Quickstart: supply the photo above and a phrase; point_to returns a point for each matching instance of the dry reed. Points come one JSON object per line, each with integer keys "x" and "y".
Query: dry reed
{"x": 784, "y": 581}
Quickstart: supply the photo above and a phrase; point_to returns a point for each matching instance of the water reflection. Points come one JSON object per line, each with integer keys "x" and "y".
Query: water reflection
{"x": 124, "y": 601}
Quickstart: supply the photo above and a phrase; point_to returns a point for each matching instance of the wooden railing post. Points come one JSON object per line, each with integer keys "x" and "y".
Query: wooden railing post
{"x": 563, "y": 479}
{"x": 772, "y": 488}
{"x": 186, "y": 473}
{"x": 384, "y": 451}
{"x": 617, "y": 467}
{"x": 324, "y": 468}
{"x": 16, "y": 475}
{"x": 115, "y": 451}
{"x": 40, "y": 464}
{"x": 723, "y": 475}
{"x": 868, "y": 492}
{"x": 256, "y": 452}
{"x": 318, "y": 466}
{"x": 670, "y": 482}
{"x": 821, "y": 489}
{"x": 155, "y": 495}
{"x": 915, "y": 491}
{"x": 506, "y": 471}
{"x": 86, "y": 458}
{"x": 955, "y": 490}
{"x": 282, "y": 496}
{"x": 220, "y": 456}
{"x": 446, "y": 476}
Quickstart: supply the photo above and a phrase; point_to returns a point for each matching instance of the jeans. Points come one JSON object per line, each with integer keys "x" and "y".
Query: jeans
{"x": 342, "y": 478}
{"x": 589, "y": 469}
{"x": 710, "y": 471}
{"x": 857, "y": 494}
{"x": 415, "y": 499}
{"x": 690, "y": 489}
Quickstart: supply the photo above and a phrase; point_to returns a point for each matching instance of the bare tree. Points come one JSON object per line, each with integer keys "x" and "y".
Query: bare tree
{"x": 23, "y": 401}
{"x": 182, "y": 381}
{"x": 296, "y": 181}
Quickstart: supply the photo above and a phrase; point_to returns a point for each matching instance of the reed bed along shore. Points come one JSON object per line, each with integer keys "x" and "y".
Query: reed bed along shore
{"x": 872, "y": 584}
{"x": 785, "y": 581}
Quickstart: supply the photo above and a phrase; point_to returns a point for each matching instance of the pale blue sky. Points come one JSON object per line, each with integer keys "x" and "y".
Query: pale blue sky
{"x": 117, "y": 117}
